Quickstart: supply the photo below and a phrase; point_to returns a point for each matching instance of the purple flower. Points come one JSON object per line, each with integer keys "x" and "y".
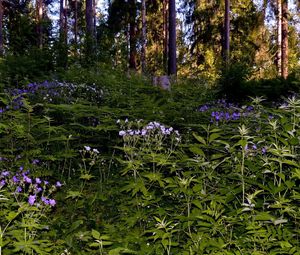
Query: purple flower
{"x": 35, "y": 161}
{"x": 38, "y": 189}
{"x": 46, "y": 182}
{"x": 45, "y": 200}
{"x": 15, "y": 179}
{"x": 31, "y": 199}
{"x": 58, "y": 184}
{"x": 27, "y": 179}
{"x": 52, "y": 202}
{"x": 122, "y": 133}
{"x": 38, "y": 181}
{"x": 2, "y": 183}
{"x": 263, "y": 150}
{"x": 254, "y": 147}
{"x": 18, "y": 189}
{"x": 5, "y": 173}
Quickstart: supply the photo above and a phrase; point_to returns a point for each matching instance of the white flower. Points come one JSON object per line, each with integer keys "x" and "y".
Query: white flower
{"x": 122, "y": 133}
{"x": 87, "y": 148}
{"x": 95, "y": 151}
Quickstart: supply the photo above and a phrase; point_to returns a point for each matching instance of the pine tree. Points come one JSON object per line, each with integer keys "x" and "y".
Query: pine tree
{"x": 1, "y": 28}
{"x": 284, "y": 45}
{"x": 172, "y": 66}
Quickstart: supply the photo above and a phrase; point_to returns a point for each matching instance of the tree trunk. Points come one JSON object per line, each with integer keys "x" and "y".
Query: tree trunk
{"x": 39, "y": 9}
{"x": 1, "y": 28}
{"x": 284, "y": 45}
{"x": 94, "y": 21}
{"x": 76, "y": 27}
{"x": 63, "y": 32}
{"x": 172, "y": 67}
{"x": 166, "y": 37}
{"x": 132, "y": 35}
{"x": 89, "y": 28}
{"x": 226, "y": 46}
{"x": 279, "y": 37}
{"x": 144, "y": 37}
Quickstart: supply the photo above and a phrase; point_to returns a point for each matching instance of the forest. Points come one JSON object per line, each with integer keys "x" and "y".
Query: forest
{"x": 150, "y": 127}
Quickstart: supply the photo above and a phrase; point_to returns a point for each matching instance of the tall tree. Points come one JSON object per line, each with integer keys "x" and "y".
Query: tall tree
{"x": 132, "y": 34}
{"x": 1, "y": 28}
{"x": 90, "y": 37}
{"x": 63, "y": 34}
{"x": 284, "y": 45}
{"x": 172, "y": 63}
{"x": 226, "y": 45}
{"x": 144, "y": 36}
{"x": 166, "y": 35}
{"x": 278, "y": 13}
{"x": 76, "y": 26}
{"x": 39, "y": 18}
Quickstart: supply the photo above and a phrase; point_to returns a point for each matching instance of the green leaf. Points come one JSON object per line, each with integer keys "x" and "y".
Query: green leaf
{"x": 199, "y": 139}
{"x": 95, "y": 234}
{"x": 196, "y": 150}
{"x": 86, "y": 176}
{"x": 74, "y": 194}
{"x": 213, "y": 137}
{"x": 11, "y": 216}
{"x": 263, "y": 216}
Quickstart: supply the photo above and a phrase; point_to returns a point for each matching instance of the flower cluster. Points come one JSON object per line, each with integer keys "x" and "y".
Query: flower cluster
{"x": 150, "y": 128}
{"x": 35, "y": 190}
{"x": 53, "y": 91}
{"x": 253, "y": 149}
{"x": 227, "y": 112}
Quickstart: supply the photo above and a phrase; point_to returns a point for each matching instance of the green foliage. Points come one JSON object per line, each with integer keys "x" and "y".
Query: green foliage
{"x": 133, "y": 185}
{"x": 19, "y": 70}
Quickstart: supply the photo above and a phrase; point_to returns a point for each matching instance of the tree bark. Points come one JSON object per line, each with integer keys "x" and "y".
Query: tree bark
{"x": 1, "y": 28}
{"x": 76, "y": 26}
{"x": 94, "y": 20}
{"x": 166, "y": 37}
{"x": 284, "y": 45}
{"x": 144, "y": 37}
{"x": 279, "y": 37}
{"x": 172, "y": 63}
{"x": 226, "y": 46}
{"x": 39, "y": 9}
{"x": 89, "y": 27}
{"x": 132, "y": 35}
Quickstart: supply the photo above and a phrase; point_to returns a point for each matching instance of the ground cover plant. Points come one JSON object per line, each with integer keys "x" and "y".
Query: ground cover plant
{"x": 100, "y": 163}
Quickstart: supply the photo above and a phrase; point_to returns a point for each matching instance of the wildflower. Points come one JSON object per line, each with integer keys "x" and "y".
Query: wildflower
{"x": 95, "y": 151}
{"x": 58, "y": 184}
{"x": 38, "y": 189}
{"x": 87, "y": 148}
{"x": 27, "y": 179}
{"x": 263, "y": 150}
{"x": 31, "y": 199}
{"x": 18, "y": 189}
{"x": 2, "y": 183}
{"x": 122, "y": 133}
{"x": 52, "y": 202}
{"x": 254, "y": 147}
{"x": 45, "y": 200}
{"x": 5, "y": 173}
{"x": 15, "y": 179}
{"x": 38, "y": 181}
{"x": 143, "y": 132}
{"x": 35, "y": 161}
